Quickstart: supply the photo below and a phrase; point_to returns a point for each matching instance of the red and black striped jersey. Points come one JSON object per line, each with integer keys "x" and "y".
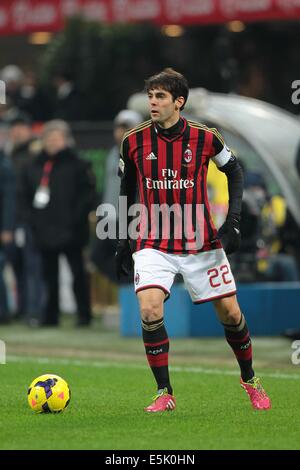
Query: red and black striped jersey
{"x": 168, "y": 173}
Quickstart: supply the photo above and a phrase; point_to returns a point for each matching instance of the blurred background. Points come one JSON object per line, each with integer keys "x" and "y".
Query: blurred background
{"x": 73, "y": 73}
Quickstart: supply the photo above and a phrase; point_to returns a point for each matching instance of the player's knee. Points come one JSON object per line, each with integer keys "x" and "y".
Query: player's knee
{"x": 232, "y": 316}
{"x": 228, "y": 310}
{"x": 151, "y": 311}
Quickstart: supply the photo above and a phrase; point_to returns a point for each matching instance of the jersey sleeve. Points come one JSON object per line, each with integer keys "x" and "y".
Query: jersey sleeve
{"x": 127, "y": 172}
{"x": 221, "y": 153}
{"x": 228, "y": 164}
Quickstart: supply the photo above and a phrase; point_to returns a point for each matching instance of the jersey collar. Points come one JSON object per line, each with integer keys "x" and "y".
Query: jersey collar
{"x": 172, "y": 133}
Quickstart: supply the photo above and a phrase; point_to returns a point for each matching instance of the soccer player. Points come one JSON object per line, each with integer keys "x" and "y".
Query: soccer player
{"x": 165, "y": 160}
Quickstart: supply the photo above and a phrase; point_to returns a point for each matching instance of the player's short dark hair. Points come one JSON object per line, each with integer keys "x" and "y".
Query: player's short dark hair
{"x": 171, "y": 81}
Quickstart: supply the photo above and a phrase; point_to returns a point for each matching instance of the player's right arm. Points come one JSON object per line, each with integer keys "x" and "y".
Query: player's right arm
{"x": 127, "y": 173}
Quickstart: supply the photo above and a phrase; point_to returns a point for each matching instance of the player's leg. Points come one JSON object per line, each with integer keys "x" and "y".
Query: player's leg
{"x": 155, "y": 336}
{"x": 238, "y": 338}
{"x": 154, "y": 274}
{"x": 236, "y": 333}
{"x": 208, "y": 277}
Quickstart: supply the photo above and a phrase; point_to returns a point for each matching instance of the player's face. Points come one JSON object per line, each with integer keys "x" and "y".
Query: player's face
{"x": 163, "y": 109}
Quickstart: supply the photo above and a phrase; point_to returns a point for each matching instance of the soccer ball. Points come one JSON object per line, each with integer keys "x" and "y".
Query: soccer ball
{"x": 48, "y": 393}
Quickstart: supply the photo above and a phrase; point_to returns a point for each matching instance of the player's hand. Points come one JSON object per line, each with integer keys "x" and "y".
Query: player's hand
{"x": 230, "y": 234}
{"x": 123, "y": 258}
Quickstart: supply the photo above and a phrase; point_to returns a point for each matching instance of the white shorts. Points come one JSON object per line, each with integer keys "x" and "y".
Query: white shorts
{"x": 206, "y": 275}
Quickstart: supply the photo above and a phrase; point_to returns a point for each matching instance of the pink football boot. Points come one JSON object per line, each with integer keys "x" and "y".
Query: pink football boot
{"x": 163, "y": 401}
{"x": 256, "y": 393}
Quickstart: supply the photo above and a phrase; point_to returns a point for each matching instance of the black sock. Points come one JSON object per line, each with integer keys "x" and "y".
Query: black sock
{"x": 238, "y": 338}
{"x": 156, "y": 343}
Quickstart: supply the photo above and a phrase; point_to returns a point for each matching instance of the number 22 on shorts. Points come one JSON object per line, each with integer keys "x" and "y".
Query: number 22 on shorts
{"x": 218, "y": 274}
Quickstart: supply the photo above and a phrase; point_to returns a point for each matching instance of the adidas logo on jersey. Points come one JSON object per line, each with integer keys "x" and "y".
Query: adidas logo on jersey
{"x": 151, "y": 156}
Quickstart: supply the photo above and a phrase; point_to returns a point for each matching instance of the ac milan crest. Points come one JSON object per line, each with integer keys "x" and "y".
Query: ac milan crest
{"x": 137, "y": 278}
{"x": 188, "y": 155}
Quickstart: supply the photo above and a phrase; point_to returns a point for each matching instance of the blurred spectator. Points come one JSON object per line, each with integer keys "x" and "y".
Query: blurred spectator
{"x": 29, "y": 101}
{"x": 7, "y": 221}
{"x": 252, "y": 81}
{"x": 24, "y": 95}
{"x": 59, "y": 193}
{"x": 34, "y": 100}
{"x": 23, "y": 256}
{"x": 69, "y": 104}
{"x": 253, "y": 202}
{"x": 225, "y": 62}
{"x": 20, "y": 137}
{"x": 12, "y": 76}
{"x": 290, "y": 238}
{"x": 104, "y": 250}
{"x": 261, "y": 234}
{"x": 4, "y": 108}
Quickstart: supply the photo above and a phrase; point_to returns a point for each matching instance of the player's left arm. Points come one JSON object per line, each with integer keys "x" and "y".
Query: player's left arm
{"x": 226, "y": 162}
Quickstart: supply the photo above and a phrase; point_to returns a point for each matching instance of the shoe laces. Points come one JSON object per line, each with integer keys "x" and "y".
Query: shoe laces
{"x": 256, "y": 385}
{"x": 160, "y": 393}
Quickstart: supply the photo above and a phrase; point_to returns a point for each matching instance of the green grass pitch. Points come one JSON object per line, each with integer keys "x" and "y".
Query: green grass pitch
{"x": 111, "y": 384}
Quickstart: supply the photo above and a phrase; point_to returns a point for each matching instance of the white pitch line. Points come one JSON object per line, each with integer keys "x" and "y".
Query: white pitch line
{"x": 121, "y": 365}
